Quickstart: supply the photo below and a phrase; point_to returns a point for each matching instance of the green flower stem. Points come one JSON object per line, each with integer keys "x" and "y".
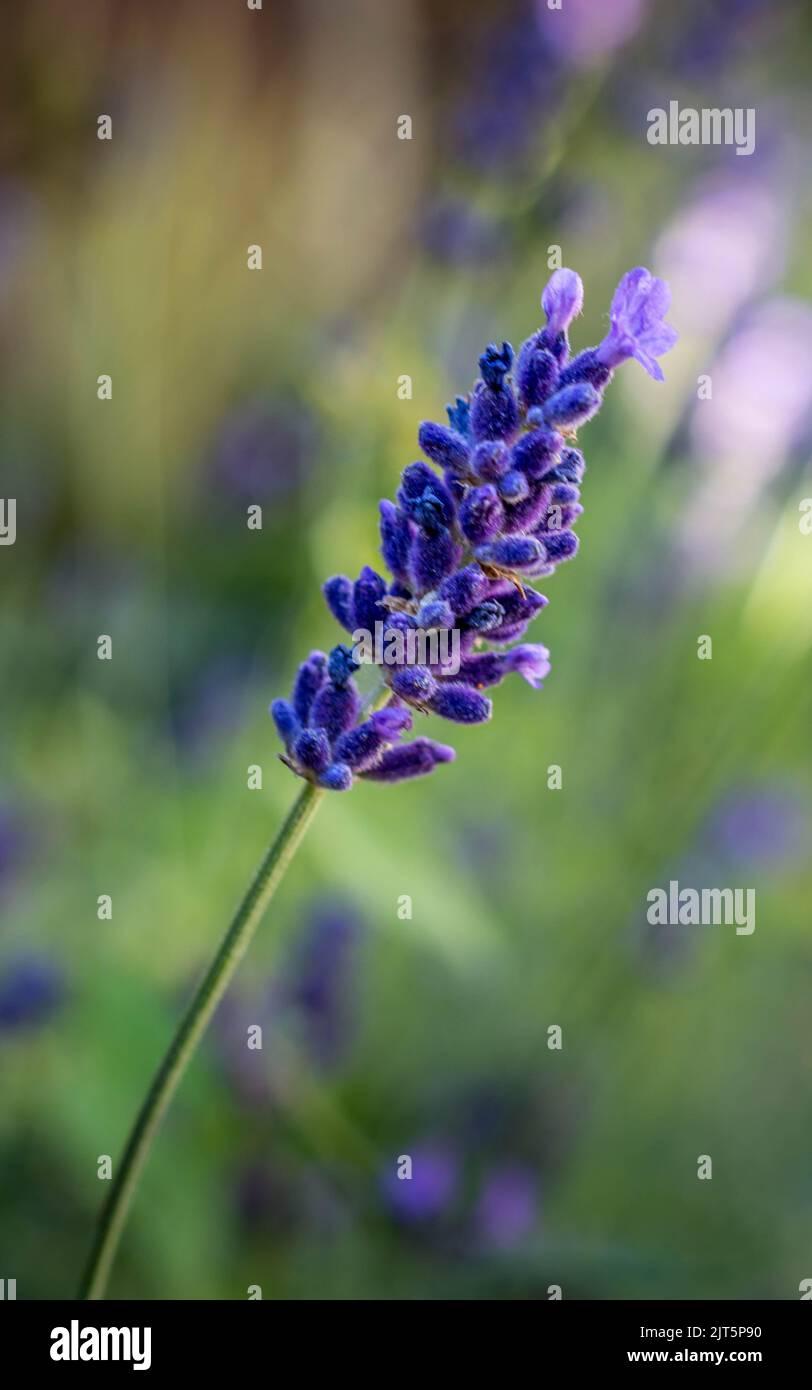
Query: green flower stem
{"x": 169, "y": 1074}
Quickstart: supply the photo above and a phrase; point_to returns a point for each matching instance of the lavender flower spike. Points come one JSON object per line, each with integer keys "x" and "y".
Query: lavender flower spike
{"x": 638, "y": 328}
{"x": 493, "y": 509}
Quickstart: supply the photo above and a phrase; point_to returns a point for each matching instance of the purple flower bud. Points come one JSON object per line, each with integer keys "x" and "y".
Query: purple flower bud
{"x": 569, "y": 469}
{"x": 337, "y": 778}
{"x": 536, "y": 452}
{"x": 573, "y": 405}
{"x": 459, "y": 702}
{"x": 560, "y": 545}
{"x": 482, "y": 669}
{"x": 525, "y": 515}
{"x": 490, "y": 460}
{"x": 312, "y": 750}
{"x": 396, "y": 539}
{"x": 558, "y": 517}
{"x": 341, "y": 665}
{"x": 444, "y": 447}
{"x": 338, "y": 593}
{"x": 415, "y": 759}
{"x": 586, "y": 367}
{"x": 287, "y": 724}
{"x": 511, "y": 553}
{"x": 494, "y": 414}
{"x": 459, "y": 416}
{"x": 562, "y": 300}
{"x": 487, "y": 616}
{"x": 368, "y": 590}
{"x": 637, "y": 318}
{"x": 414, "y": 684}
{"x": 481, "y": 514}
{"x": 433, "y": 558}
{"x": 518, "y": 609}
{"x": 514, "y": 487}
{"x": 310, "y": 678}
{"x": 536, "y": 373}
{"x": 494, "y": 364}
{"x": 360, "y": 747}
{"x": 436, "y": 613}
{"x": 391, "y": 722}
{"x": 531, "y": 662}
{"x": 335, "y": 708}
{"x": 464, "y": 589}
{"x": 425, "y": 497}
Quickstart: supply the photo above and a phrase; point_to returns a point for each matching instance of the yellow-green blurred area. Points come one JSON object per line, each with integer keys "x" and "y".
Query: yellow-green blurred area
{"x": 389, "y": 1033}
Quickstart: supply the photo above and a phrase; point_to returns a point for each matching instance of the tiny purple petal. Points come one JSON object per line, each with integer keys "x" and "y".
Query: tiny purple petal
{"x": 531, "y": 662}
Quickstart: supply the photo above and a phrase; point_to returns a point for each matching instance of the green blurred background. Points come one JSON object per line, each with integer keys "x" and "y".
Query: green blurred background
{"x": 385, "y": 1037}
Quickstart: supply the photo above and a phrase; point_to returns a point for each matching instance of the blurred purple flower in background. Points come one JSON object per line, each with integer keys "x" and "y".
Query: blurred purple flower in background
{"x": 319, "y": 984}
{"x": 211, "y": 703}
{"x": 431, "y": 1188}
{"x": 506, "y": 1206}
{"x": 762, "y": 390}
{"x": 263, "y": 450}
{"x": 582, "y": 32}
{"x": 723, "y": 247}
{"x": 310, "y": 1000}
{"x": 712, "y": 36}
{"x": 31, "y": 990}
{"x": 513, "y": 82}
{"x": 15, "y": 839}
{"x": 457, "y": 233}
{"x": 759, "y": 827}
{"x": 760, "y": 411}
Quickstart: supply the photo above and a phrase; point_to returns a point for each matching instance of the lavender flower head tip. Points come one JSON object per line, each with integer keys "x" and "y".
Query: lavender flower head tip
{"x": 637, "y": 318}
{"x": 530, "y": 661}
{"x": 562, "y": 300}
